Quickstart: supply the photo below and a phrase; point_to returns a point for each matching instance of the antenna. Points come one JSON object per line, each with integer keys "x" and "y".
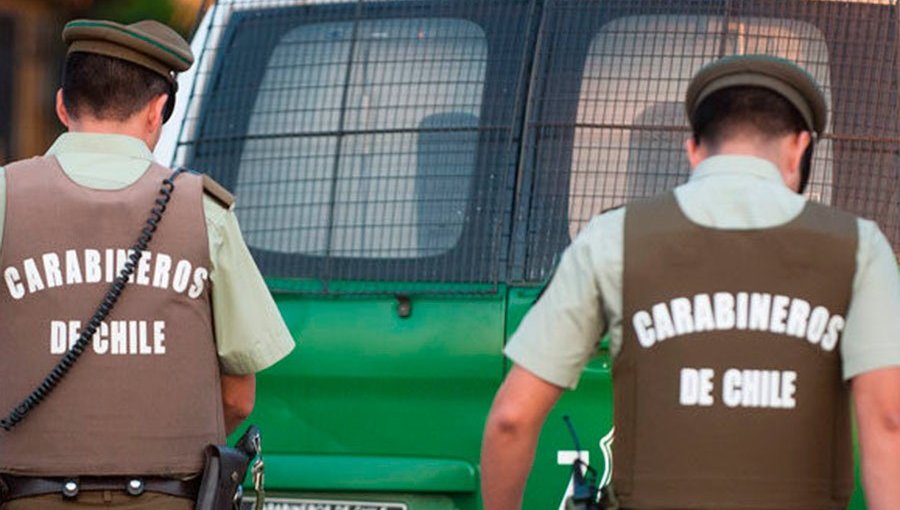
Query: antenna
{"x": 574, "y": 435}
{"x": 584, "y": 484}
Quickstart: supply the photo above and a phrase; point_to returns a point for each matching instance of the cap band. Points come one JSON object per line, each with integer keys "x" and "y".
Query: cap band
{"x": 123, "y": 30}
{"x": 750, "y": 79}
{"x": 120, "y": 52}
{"x": 776, "y": 74}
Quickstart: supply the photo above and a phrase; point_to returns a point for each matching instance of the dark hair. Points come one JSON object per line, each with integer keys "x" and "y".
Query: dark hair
{"x": 747, "y": 110}
{"x": 108, "y": 88}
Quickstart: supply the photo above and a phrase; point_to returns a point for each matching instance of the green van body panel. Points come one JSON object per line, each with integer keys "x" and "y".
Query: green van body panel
{"x": 407, "y": 428}
{"x": 339, "y": 430}
{"x": 365, "y": 431}
{"x": 370, "y": 473}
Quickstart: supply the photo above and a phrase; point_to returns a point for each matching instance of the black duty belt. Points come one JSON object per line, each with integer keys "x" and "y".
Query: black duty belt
{"x": 14, "y": 487}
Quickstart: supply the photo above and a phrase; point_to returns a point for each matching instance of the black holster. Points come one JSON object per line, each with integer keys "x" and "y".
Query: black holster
{"x": 223, "y": 475}
{"x": 4, "y": 490}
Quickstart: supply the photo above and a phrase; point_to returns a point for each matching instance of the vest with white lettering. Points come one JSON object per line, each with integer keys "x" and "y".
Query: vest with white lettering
{"x": 728, "y": 389}
{"x": 145, "y": 397}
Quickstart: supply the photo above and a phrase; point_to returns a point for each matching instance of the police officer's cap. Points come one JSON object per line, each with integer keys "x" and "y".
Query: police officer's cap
{"x": 147, "y": 43}
{"x": 776, "y": 74}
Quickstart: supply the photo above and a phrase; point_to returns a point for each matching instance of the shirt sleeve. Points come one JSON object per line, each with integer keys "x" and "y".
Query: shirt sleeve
{"x": 562, "y": 331}
{"x": 871, "y": 338}
{"x": 250, "y": 332}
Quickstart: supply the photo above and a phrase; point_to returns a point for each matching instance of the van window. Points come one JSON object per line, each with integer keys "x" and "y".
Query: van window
{"x": 362, "y": 139}
{"x": 631, "y": 124}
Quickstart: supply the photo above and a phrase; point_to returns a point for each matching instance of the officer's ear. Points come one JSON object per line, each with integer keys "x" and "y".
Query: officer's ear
{"x": 61, "y": 111}
{"x": 796, "y": 146}
{"x": 793, "y": 148}
{"x": 155, "y": 117}
{"x": 696, "y": 151}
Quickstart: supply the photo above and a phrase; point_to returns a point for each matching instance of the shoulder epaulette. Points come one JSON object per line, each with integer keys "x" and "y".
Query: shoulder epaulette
{"x": 217, "y": 191}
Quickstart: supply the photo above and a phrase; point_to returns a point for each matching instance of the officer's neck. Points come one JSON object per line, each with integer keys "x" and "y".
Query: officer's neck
{"x": 785, "y": 152}
{"x": 131, "y": 127}
{"x": 145, "y": 124}
{"x": 743, "y": 147}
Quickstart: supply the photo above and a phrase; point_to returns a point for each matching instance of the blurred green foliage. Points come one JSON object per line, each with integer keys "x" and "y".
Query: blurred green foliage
{"x": 130, "y": 11}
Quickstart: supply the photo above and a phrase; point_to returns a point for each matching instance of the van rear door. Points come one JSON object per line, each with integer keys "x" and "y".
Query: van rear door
{"x": 372, "y": 148}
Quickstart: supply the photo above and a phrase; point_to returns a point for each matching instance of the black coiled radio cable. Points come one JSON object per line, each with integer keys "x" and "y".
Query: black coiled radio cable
{"x": 112, "y": 296}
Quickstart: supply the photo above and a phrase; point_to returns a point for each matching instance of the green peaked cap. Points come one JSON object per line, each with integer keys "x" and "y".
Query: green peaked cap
{"x": 147, "y": 43}
{"x": 779, "y": 75}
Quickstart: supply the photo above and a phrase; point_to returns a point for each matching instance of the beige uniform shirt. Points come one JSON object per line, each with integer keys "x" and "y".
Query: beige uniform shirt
{"x": 583, "y": 301}
{"x": 250, "y": 333}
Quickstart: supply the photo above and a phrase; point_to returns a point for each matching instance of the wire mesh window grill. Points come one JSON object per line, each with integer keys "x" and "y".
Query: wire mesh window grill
{"x": 609, "y": 123}
{"x": 639, "y": 153}
{"x": 401, "y": 187}
{"x": 365, "y": 141}
{"x": 432, "y": 142}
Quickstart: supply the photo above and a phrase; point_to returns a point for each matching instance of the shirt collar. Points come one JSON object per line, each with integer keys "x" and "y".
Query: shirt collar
{"x": 739, "y": 165}
{"x": 100, "y": 143}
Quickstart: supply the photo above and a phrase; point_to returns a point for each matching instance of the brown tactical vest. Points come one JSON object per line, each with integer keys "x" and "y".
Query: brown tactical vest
{"x": 145, "y": 397}
{"x": 728, "y": 387}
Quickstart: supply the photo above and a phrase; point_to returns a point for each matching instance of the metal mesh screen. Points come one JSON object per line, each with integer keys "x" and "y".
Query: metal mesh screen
{"x": 366, "y": 141}
{"x": 419, "y": 143}
{"x": 609, "y": 124}
{"x": 396, "y": 183}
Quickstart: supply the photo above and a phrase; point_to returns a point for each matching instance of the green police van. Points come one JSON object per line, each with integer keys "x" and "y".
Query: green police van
{"x": 408, "y": 171}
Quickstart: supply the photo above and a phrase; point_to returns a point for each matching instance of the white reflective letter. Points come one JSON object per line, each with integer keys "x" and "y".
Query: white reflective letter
{"x": 741, "y": 309}
{"x": 663, "y": 322}
{"x": 101, "y": 342}
{"x": 703, "y": 314}
{"x": 643, "y": 328}
{"x": 818, "y": 321}
{"x": 14, "y": 282}
{"x": 797, "y": 318}
{"x": 159, "y": 337}
{"x": 73, "y": 268}
{"x": 788, "y": 388}
{"x": 731, "y": 387}
{"x": 689, "y": 392}
{"x": 200, "y": 276}
{"x": 760, "y": 310}
{"x": 706, "y": 386}
{"x": 682, "y": 316}
{"x": 59, "y": 336}
{"x": 92, "y": 271}
{"x": 52, "y": 271}
{"x": 779, "y": 313}
{"x": 182, "y": 276}
{"x": 161, "y": 271}
{"x": 833, "y": 333}
{"x": 142, "y": 274}
{"x": 724, "y": 305}
{"x": 32, "y": 276}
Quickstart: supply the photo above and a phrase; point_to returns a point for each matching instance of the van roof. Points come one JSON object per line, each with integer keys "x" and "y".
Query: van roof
{"x": 283, "y": 3}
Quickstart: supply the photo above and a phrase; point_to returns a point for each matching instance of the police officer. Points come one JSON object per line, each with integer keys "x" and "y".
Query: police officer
{"x": 171, "y": 368}
{"x": 741, "y": 319}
